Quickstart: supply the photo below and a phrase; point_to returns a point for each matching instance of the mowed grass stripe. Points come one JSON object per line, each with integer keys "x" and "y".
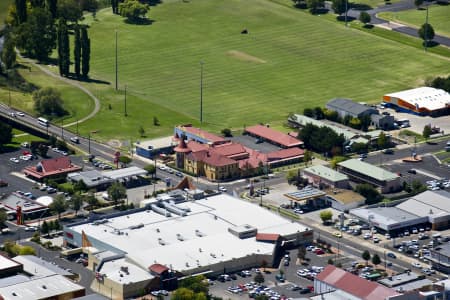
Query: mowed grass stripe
{"x": 308, "y": 60}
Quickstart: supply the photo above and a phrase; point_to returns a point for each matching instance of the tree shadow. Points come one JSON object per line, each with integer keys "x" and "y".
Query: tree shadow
{"x": 12, "y": 147}
{"x": 141, "y": 21}
{"x": 153, "y": 2}
{"x": 320, "y": 11}
{"x": 360, "y": 6}
{"x": 431, "y": 44}
{"x": 53, "y": 61}
{"x": 368, "y": 26}
{"x": 443, "y": 2}
{"x": 420, "y": 8}
{"x": 342, "y": 18}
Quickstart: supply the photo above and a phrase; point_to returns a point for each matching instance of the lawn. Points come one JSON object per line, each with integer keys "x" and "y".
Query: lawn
{"x": 77, "y": 104}
{"x": 289, "y": 60}
{"x": 438, "y": 17}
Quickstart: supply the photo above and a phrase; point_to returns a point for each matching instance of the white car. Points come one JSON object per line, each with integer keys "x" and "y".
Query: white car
{"x": 20, "y": 114}
{"x": 162, "y": 168}
{"x": 222, "y": 189}
{"x": 14, "y": 160}
{"x": 31, "y": 228}
{"x": 417, "y": 265}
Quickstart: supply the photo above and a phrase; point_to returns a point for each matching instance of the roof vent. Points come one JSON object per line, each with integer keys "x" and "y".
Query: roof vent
{"x": 199, "y": 249}
{"x": 44, "y": 287}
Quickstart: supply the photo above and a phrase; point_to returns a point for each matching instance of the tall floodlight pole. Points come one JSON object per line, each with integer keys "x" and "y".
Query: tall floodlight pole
{"x": 126, "y": 101}
{"x": 116, "y": 62}
{"x": 426, "y": 31}
{"x": 62, "y": 129}
{"x": 346, "y": 9}
{"x": 201, "y": 91}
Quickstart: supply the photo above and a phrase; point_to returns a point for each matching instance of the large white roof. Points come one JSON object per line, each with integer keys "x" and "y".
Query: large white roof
{"x": 184, "y": 248}
{"x": 39, "y": 288}
{"x": 114, "y": 270}
{"x": 6, "y": 263}
{"x": 427, "y": 97}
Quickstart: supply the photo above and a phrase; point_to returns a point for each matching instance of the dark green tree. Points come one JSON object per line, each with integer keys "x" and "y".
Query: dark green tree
{"x": 85, "y": 52}
{"x": 77, "y": 51}
{"x": 45, "y": 229}
{"x": 369, "y": 192}
{"x": 125, "y": 160}
{"x": 76, "y": 202}
{"x": 226, "y": 132}
{"x": 326, "y": 216}
{"x": 339, "y": 6}
{"x": 117, "y": 192}
{"x": 115, "y": 6}
{"x": 69, "y": 10}
{"x": 8, "y": 52}
{"x": 259, "y": 278}
{"x": 426, "y": 133}
{"x": 47, "y": 101}
{"x": 3, "y": 218}
{"x": 366, "y": 256}
{"x": 376, "y": 259}
{"x": 315, "y": 5}
{"x": 151, "y": 169}
{"x": 52, "y": 7}
{"x": 59, "y": 205}
{"x": 37, "y": 3}
{"x": 426, "y": 33}
{"x": 318, "y": 113}
{"x": 383, "y": 141}
{"x": 37, "y": 36}
{"x": 301, "y": 253}
{"x": 308, "y": 112}
{"x": 6, "y": 134}
{"x": 141, "y": 131}
{"x": 418, "y": 3}
{"x": 63, "y": 48}
{"x": 133, "y": 10}
{"x": 21, "y": 11}
{"x": 364, "y": 17}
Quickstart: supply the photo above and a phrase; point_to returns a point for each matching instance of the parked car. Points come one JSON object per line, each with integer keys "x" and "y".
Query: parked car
{"x": 391, "y": 255}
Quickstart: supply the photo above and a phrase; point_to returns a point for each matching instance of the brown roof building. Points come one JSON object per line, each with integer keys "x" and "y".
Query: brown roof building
{"x": 51, "y": 168}
{"x": 273, "y": 136}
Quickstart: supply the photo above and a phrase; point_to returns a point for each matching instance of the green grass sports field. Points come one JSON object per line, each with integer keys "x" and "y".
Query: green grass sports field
{"x": 289, "y": 60}
{"x": 438, "y": 17}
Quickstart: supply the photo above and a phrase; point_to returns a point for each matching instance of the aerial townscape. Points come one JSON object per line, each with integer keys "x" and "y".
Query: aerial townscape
{"x": 225, "y": 149}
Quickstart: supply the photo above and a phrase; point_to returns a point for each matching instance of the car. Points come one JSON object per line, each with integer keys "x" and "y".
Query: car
{"x": 169, "y": 170}
{"x": 51, "y": 190}
{"x": 319, "y": 252}
{"x": 367, "y": 236}
{"x": 75, "y": 140}
{"x": 279, "y": 278}
{"x": 298, "y": 211}
{"x": 162, "y": 167}
{"x": 222, "y": 189}
{"x": 417, "y": 265}
{"x": 305, "y": 291}
{"x": 3, "y": 183}
{"x": 31, "y": 228}
{"x": 387, "y": 236}
{"x": 376, "y": 240}
{"x": 179, "y": 174}
{"x": 14, "y": 160}
{"x": 391, "y": 255}
{"x": 337, "y": 234}
{"x": 295, "y": 288}
{"x": 20, "y": 114}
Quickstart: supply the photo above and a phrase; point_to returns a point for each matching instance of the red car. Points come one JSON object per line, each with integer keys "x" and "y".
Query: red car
{"x": 319, "y": 252}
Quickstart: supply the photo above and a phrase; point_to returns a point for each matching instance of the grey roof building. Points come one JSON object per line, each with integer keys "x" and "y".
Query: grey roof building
{"x": 347, "y": 107}
{"x": 388, "y": 219}
{"x": 92, "y": 179}
{"x": 361, "y": 171}
{"x": 434, "y": 205}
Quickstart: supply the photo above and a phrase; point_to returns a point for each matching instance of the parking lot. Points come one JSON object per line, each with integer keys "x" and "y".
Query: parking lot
{"x": 277, "y": 284}
{"x": 250, "y": 142}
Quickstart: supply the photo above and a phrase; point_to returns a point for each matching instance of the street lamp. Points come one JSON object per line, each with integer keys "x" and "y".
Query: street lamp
{"x": 116, "y": 62}
{"x": 201, "y": 91}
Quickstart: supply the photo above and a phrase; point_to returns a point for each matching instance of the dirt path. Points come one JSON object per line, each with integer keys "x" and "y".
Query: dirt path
{"x": 71, "y": 82}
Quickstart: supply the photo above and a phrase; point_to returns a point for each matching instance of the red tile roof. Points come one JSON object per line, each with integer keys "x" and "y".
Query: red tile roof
{"x": 49, "y": 167}
{"x": 354, "y": 285}
{"x": 285, "y": 153}
{"x": 196, "y": 146}
{"x": 158, "y": 268}
{"x": 231, "y": 150}
{"x": 217, "y": 160}
{"x": 267, "y": 237}
{"x": 204, "y": 134}
{"x": 274, "y": 136}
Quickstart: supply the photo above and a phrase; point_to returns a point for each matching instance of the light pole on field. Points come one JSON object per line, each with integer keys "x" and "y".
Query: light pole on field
{"x": 116, "y": 62}
{"x": 201, "y": 91}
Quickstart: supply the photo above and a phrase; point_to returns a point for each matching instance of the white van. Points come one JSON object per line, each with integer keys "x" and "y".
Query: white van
{"x": 436, "y": 235}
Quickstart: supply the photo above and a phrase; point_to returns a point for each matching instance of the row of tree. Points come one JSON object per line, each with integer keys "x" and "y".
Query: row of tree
{"x": 81, "y": 52}
{"x": 36, "y": 27}
{"x": 321, "y": 139}
{"x": 320, "y": 113}
{"x": 133, "y": 10}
